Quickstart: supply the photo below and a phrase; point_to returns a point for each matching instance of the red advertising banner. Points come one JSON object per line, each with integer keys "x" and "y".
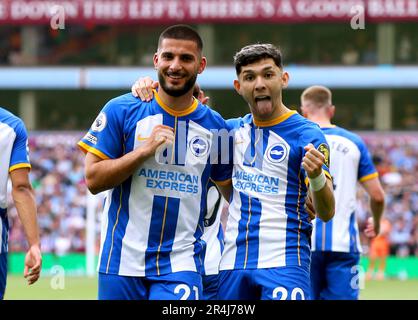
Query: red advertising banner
{"x": 204, "y": 11}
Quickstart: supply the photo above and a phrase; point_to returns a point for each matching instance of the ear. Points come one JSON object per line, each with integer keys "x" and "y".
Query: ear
{"x": 304, "y": 110}
{"x": 285, "y": 79}
{"x": 332, "y": 111}
{"x": 155, "y": 59}
{"x": 237, "y": 86}
{"x": 202, "y": 65}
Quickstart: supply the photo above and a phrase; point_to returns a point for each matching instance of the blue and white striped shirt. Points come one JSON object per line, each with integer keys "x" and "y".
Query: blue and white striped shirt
{"x": 153, "y": 222}
{"x": 267, "y": 224}
{"x": 14, "y": 155}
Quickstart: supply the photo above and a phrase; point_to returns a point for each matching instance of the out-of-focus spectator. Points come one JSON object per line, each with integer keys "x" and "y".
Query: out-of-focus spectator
{"x": 395, "y": 156}
{"x": 350, "y": 56}
{"x": 62, "y": 244}
{"x": 414, "y": 240}
{"x": 410, "y": 120}
{"x": 405, "y": 49}
{"x": 369, "y": 56}
{"x": 58, "y": 180}
{"x": 400, "y": 238}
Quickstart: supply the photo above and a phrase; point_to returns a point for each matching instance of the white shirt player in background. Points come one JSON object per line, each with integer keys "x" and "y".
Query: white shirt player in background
{"x": 14, "y": 161}
{"x": 336, "y": 244}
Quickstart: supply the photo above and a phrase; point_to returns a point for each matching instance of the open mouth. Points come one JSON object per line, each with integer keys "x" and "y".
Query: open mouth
{"x": 262, "y": 98}
{"x": 263, "y": 103}
{"x": 175, "y": 76}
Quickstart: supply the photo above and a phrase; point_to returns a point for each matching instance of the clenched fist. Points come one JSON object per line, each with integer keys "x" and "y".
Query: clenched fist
{"x": 313, "y": 161}
{"x": 160, "y": 135}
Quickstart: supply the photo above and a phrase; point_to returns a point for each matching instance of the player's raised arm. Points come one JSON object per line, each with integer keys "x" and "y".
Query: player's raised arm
{"x": 320, "y": 185}
{"x": 143, "y": 89}
{"x": 103, "y": 174}
{"x": 24, "y": 200}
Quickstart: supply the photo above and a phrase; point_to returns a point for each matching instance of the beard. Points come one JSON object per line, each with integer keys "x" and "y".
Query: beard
{"x": 177, "y": 92}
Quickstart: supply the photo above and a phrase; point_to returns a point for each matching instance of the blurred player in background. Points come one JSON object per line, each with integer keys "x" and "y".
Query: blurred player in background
{"x": 379, "y": 251}
{"x": 14, "y": 160}
{"x": 213, "y": 235}
{"x": 153, "y": 157}
{"x": 336, "y": 244}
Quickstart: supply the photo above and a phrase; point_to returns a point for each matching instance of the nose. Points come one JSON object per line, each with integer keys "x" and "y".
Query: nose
{"x": 259, "y": 84}
{"x": 175, "y": 65}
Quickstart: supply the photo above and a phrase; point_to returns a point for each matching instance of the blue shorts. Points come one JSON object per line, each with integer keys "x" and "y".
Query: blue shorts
{"x": 335, "y": 275}
{"x": 186, "y": 285}
{"x": 4, "y": 234}
{"x": 3, "y": 273}
{"x": 210, "y": 287}
{"x": 282, "y": 283}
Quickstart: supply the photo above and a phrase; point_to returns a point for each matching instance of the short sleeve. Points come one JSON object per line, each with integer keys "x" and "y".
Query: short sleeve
{"x": 20, "y": 151}
{"x": 105, "y": 137}
{"x": 366, "y": 169}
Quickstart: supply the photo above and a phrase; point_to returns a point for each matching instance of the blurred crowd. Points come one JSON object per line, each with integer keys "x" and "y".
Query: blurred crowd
{"x": 58, "y": 179}
{"x": 302, "y": 44}
{"x": 396, "y": 159}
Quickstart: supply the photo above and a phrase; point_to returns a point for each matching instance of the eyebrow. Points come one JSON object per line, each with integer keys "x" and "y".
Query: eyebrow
{"x": 187, "y": 55}
{"x": 268, "y": 68}
{"x": 182, "y": 55}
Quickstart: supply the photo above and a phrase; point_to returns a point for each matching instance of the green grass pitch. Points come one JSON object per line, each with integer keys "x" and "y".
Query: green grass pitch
{"x": 83, "y": 288}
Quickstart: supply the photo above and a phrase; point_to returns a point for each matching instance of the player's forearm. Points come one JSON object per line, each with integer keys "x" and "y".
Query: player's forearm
{"x": 25, "y": 203}
{"x": 324, "y": 202}
{"x": 377, "y": 200}
{"x": 107, "y": 174}
{"x": 377, "y": 207}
